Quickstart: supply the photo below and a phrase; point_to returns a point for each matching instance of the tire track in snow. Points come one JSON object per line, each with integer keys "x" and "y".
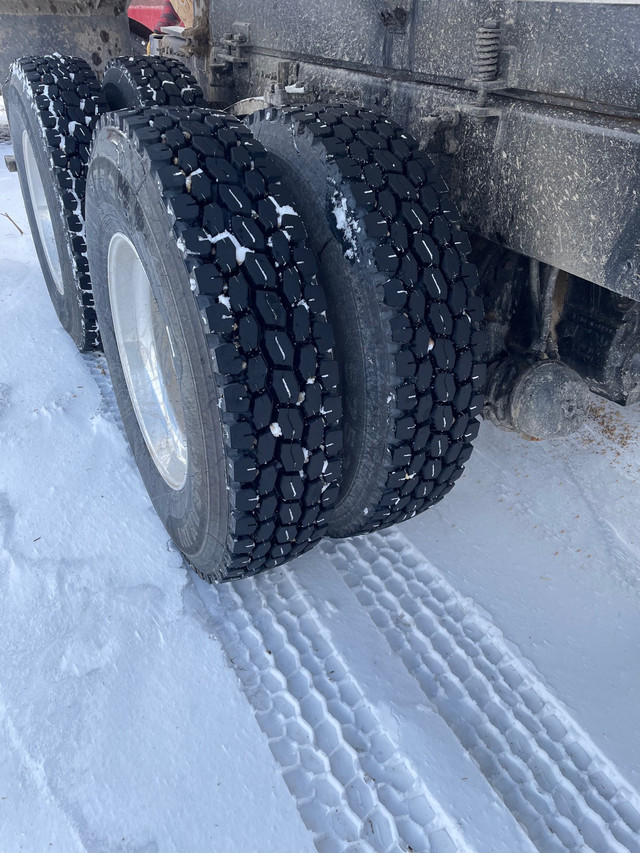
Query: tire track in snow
{"x": 97, "y": 364}
{"x": 548, "y": 772}
{"x": 354, "y": 789}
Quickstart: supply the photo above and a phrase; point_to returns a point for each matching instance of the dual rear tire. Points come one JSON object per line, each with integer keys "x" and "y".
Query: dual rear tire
{"x": 234, "y": 340}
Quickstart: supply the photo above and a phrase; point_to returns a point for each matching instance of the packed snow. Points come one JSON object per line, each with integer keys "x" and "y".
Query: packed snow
{"x": 466, "y": 682}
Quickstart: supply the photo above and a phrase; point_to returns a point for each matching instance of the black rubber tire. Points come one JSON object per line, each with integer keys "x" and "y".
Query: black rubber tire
{"x": 401, "y": 299}
{"x": 140, "y": 31}
{"x": 258, "y": 380}
{"x": 147, "y": 81}
{"x": 56, "y": 101}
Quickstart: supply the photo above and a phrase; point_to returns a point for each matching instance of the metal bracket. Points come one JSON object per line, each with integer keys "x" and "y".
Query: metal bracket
{"x": 235, "y": 46}
{"x": 285, "y": 88}
{"x": 485, "y": 77}
{"x": 276, "y": 95}
{"x": 478, "y": 112}
{"x": 437, "y": 132}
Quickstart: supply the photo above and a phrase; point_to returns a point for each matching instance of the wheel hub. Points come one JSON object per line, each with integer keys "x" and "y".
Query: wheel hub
{"x": 42, "y": 213}
{"x": 148, "y": 359}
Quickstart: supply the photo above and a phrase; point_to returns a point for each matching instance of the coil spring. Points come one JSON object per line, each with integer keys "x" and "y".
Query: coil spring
{"x": 487, "y": 52}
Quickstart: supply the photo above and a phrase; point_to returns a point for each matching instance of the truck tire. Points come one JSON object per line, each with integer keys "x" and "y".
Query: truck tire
{"x": 53, "y": 104}
{"x": 401, "y": 299}
{"x": 200, "y": 267}
{"x": 147, "y": 81}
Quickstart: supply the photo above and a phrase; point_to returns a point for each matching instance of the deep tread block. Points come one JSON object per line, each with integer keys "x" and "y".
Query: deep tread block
{"x": 285, "y": 386}
{"x": 228, "y": 359}
{"x": 395, "y": 293}
{"x": 266, "y": 447}
{"x": 271, "y": 309}
{"x": 401, "y": 187}
{"x": 363, "y": 195}
{"x": 201, "y": 144}
{"x": 209, "y": 280}
{"x": 248, "y": 333}
{"x": 260, "y": 271}
{"x": 235, "y": 199}
{"x": 220, "y": 320}
{"x": 241, "y": 436}
{"x": 213, "y": 219}
{"x": 292, "y": 457}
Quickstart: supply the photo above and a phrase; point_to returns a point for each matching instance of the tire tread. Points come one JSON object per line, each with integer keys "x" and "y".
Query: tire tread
{"x": 400, "y": 226}
{"x": 152, "y": 81}
{"x": 67, "y": 99}
{"x": 276, "y": 402}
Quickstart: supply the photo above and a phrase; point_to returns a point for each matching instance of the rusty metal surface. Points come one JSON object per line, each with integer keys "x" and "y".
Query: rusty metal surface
{"x": 95, "y": 31}
{"x": 556, "y": 185}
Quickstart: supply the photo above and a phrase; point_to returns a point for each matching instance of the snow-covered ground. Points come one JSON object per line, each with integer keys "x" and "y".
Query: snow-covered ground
{"x": 467, "y": 682}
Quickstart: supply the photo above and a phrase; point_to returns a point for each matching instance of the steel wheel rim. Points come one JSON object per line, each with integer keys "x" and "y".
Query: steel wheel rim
{"x": 147, "y": 356}
{"x": 42, "y": 213}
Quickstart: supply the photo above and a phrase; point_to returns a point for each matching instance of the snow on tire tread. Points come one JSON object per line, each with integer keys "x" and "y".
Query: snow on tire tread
{"x": 396, "y": 221}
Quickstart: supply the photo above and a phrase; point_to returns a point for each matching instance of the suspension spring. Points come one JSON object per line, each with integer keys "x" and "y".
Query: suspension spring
{"x": 487, "y": 52}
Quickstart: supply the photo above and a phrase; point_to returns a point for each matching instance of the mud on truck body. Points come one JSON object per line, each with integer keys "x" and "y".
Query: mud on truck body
{"x": 259, "y": 221}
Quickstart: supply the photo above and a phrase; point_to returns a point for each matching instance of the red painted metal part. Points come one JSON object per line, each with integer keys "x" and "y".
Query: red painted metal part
{"x": 146, "y": 15}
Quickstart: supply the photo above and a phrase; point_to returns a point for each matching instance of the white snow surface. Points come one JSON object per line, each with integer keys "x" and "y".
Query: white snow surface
{"x": 465, "y": 682}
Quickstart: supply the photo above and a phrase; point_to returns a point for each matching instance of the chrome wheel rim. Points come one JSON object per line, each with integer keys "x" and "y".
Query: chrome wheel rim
{"x": 147, "y": 356}
{"x": 41, "y": 212}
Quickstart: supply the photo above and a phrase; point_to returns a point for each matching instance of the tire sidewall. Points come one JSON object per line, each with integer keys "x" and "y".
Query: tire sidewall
{"x": 23, "y": 117}
{"x": 121, "y": 196}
